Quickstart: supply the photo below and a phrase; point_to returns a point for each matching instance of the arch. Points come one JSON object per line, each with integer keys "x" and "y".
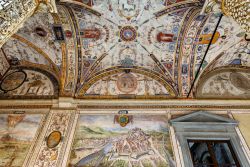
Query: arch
{"x": 82, "y": 5}
{"x": 110, "y": 71}
{"x": 33, "y": 46}
{"x": 225, "y": 82}
{"x": 32, "y": 83}
{"x": 152, "y": 56}
{"x": 42, "y": 67}
{"x": 179, "y": 53}
{"x": 178, "y": 6}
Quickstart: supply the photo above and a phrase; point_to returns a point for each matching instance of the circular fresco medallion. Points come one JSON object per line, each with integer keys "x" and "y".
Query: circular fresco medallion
{"x": 240, "y": 81}
{"x": 127, "y": 83}
{"x": 54, "y": 139}
{"x": 13, "y": 81}
{"x": 128, "y": 33}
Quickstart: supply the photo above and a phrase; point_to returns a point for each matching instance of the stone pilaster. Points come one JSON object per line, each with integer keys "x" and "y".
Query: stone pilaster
{"x": 63, "y": 121}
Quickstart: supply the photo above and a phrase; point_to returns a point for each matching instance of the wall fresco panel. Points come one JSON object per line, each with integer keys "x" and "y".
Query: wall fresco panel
{"x": 101, "y": 141}
{"x": 17, "y": 133}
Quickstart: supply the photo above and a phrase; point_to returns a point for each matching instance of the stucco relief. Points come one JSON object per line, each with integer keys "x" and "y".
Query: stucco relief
{"x": 51, "y": 4}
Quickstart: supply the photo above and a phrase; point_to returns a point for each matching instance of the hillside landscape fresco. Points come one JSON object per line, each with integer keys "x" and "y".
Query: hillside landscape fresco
{"x": 17, "y": 132}
{"x": 100, "y": 142}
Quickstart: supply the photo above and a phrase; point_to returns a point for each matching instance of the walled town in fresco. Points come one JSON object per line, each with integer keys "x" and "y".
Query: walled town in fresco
{"x": 101, "y": 141}
{"x": 17, "y": 132}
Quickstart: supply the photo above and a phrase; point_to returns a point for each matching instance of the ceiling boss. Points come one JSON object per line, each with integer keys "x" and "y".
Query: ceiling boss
{"x": 128, "y": 33}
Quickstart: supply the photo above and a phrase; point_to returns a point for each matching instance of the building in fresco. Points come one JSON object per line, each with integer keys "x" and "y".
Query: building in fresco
{"x": 124, "y": 83}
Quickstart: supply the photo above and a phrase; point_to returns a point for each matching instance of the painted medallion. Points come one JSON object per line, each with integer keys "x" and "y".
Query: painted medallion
{"x": 13, "y": 81}
{"x": 128, "y": 33}
{"x": 54, "y": 139}
{"x": 127, "y": 83}
{"x": 240, "y": 81}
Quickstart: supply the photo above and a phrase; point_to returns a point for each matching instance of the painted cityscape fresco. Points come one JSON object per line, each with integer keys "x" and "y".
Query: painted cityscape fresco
{"x": 17, "y": 132}
{"x": 100, "y": 141}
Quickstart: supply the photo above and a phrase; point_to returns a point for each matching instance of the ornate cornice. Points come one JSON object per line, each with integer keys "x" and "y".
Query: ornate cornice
{"x": 179, "y": 104}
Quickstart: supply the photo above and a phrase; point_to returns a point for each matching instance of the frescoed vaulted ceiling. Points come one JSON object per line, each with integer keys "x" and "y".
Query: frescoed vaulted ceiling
{"x": 127, "y": 49}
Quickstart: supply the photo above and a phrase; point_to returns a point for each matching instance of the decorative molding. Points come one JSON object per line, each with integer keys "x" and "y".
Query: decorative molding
{"x": 69, "y": 52}
{"x": 33, "y": 146}
{"x": 165, "y": 107}
{"x": 64, "y": 103}
{"x": 211, "y": 6}
{"x": 24, "y": 106}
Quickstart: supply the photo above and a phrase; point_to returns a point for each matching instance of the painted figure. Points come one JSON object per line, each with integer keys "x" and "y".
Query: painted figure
{"x": 90, "y": 33}
{"x": 13, "y": 120}
{"x": 58, "y": 33}
{"x": 33, "y": 87}
{"x": 205, "y": 38}
{"x": 164, "y": 37}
